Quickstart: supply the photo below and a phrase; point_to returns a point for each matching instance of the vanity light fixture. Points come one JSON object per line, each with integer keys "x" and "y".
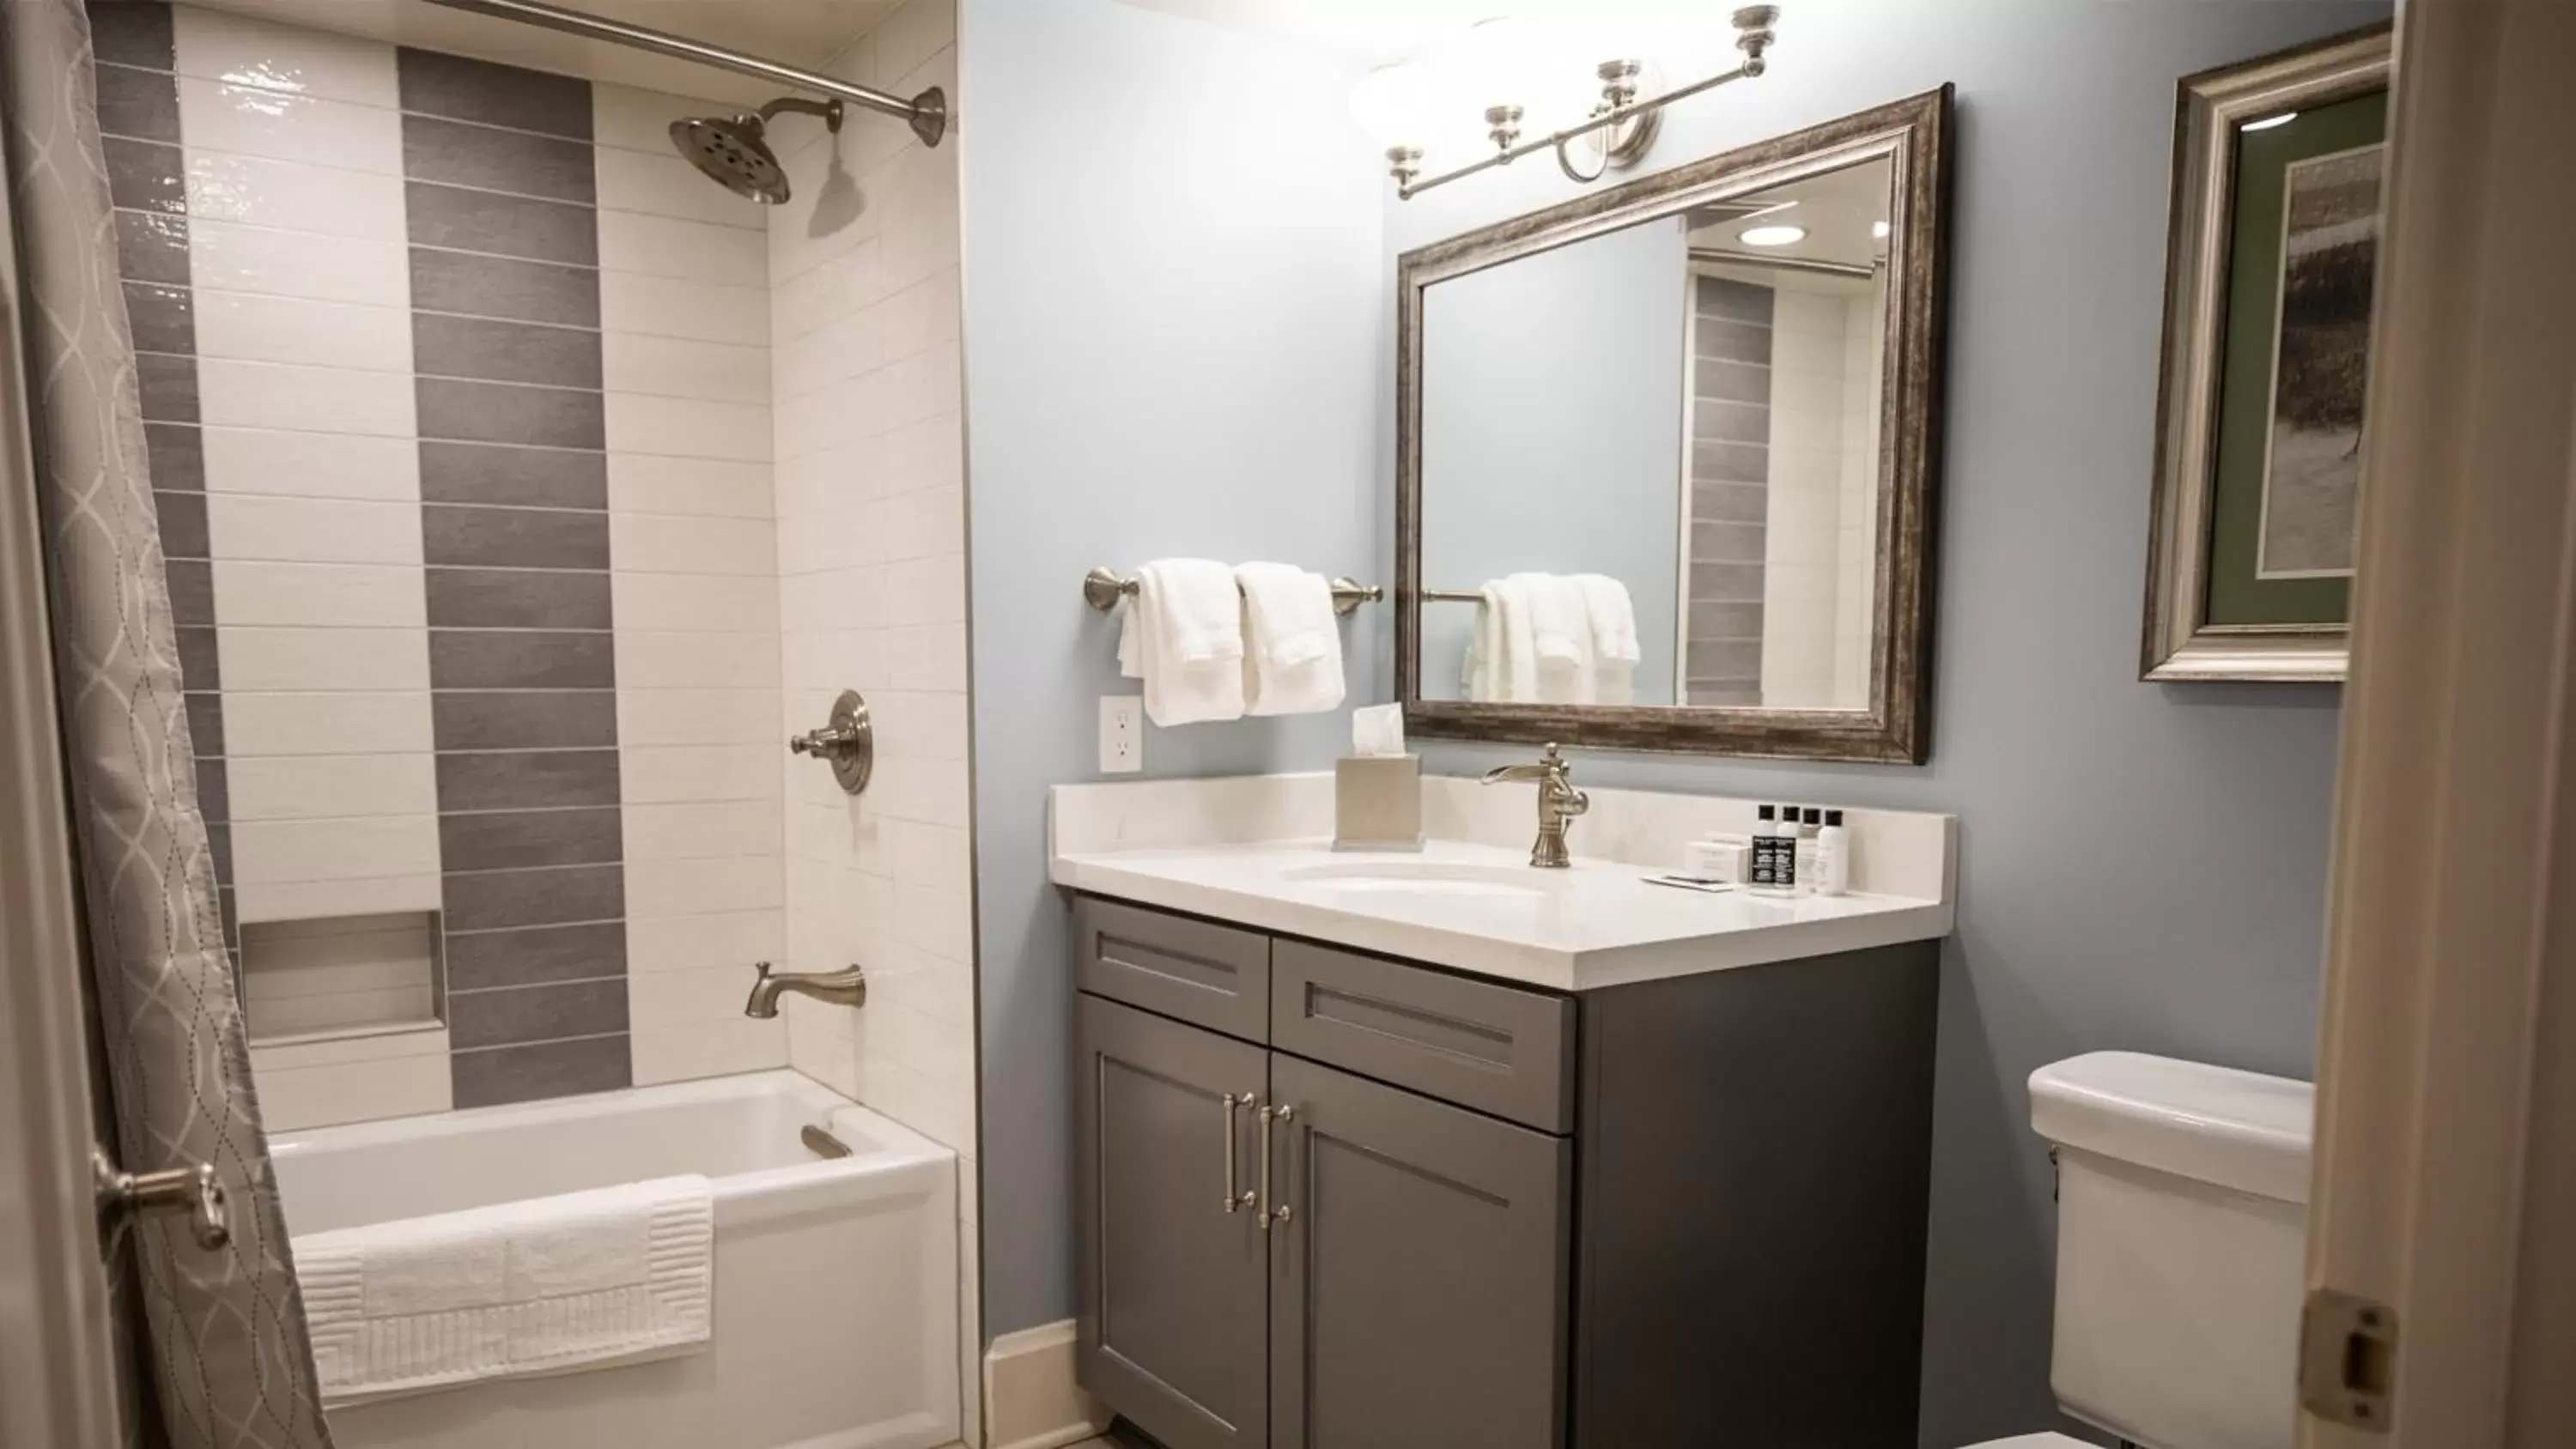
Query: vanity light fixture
{"x": 1624, "y": 126}
{"x": 2268, "y": 122}
{"x": 1772, "y": 236}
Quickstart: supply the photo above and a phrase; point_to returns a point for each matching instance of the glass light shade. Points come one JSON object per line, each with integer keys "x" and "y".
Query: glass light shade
{"x": 1393, "y": 103}
{"x": 1498, "y": 62}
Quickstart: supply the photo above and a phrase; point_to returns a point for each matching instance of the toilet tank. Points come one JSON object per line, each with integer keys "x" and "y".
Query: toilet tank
{"x": 2182, "y": 1196}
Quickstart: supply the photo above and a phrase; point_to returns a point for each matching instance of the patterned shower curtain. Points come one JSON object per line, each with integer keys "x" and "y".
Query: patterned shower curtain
{"x": 229, "y": 1359}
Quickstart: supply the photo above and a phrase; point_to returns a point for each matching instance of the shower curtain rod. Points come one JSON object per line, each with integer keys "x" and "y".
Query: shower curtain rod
{"x": 927, "y": 113}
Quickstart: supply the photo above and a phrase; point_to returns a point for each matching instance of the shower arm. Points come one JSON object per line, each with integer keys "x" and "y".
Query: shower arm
{"x": 926, "y": 113}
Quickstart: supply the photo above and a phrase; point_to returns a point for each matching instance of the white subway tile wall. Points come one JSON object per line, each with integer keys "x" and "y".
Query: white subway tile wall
{"x": 863, "y": 311}
{"x": 691, "y": 530}
{"x": 447, "y": 363}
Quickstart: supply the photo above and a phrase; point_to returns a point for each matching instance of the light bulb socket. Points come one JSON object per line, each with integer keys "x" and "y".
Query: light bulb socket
{"x": 1619, "y": 81}
{"x": 1754, "y": 35}
{"x": 1404, "y": 163}
{"x": 1503, "y": 123}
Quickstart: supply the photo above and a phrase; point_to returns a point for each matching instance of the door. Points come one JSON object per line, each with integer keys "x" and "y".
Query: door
{"x": 1171, "y": 1264}
{"x": 2445, "y": 1165}
{"x": 1420, "y": 1295}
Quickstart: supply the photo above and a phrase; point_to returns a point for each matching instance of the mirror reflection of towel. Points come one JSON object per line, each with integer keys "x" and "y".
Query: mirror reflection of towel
{"x": 1615, "y": 653}
{"x": 1553, "y": 639}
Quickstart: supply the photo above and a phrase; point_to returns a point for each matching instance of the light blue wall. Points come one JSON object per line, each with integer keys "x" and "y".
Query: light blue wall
{"x": 1552, "y": 434}
{"x": 1177, "y": 324}
{"x": 2143, "y": 865}
{"x": 1173, "y": 287}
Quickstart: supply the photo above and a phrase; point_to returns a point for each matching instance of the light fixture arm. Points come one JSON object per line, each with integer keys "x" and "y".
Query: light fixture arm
{"x": 1754, "y": 36}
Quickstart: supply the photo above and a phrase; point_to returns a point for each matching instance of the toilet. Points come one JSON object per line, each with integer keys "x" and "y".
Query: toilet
{"x": 2182, "y": 1195}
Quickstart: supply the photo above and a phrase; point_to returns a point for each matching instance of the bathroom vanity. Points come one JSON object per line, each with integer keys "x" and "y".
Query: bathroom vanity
{"x": 1445, "y": 1150}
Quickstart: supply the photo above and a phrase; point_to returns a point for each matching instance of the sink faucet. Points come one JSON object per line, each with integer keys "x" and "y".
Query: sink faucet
{"x": 1558, "y": 802}
{"x": 847, "y": 987}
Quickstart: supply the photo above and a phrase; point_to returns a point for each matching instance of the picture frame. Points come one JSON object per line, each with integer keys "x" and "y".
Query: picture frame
{"x": 2270, "y": 261}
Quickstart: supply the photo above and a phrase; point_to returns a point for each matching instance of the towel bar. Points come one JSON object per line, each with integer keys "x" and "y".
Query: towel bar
{"x": 1103, "y": 588}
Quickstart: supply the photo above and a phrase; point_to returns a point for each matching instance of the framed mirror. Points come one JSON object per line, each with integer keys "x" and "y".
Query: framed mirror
{"x": 1666, "y": 456}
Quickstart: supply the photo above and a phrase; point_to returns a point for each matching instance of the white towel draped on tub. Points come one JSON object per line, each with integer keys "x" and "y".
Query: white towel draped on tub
{"x": 518, "y": 1290}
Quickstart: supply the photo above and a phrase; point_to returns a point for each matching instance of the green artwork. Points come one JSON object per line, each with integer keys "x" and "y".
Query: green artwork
{"x": 2303, "y": 254}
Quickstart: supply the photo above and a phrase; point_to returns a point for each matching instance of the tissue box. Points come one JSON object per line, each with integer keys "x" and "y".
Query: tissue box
{"x": 1377, "y": 802}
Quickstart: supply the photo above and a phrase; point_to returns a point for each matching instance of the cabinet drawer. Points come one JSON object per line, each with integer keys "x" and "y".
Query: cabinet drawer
{"x": 1494, "y": 1048}
{"x": 1210, "y": 975}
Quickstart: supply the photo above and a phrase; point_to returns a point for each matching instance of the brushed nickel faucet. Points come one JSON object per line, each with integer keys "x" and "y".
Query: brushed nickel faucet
{"x": 846, "y": 987}
{"x": 1558, "y": 803}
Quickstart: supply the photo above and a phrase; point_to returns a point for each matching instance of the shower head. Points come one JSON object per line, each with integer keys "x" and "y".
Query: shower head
{"x": 734, "y": 150}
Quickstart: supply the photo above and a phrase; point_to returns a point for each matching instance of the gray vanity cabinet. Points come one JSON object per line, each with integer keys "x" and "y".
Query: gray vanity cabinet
{"x": 1420, "y": 1292}
{"x": 1684, "y": 1211}
{"x": 1176, "y": 1282}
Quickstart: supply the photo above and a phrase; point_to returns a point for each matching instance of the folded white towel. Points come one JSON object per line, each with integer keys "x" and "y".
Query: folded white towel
{"x": 518, "y": 1290}
{"x": 1560, "y": 638}
{"x": 1292, "y": 656}
{"x": 1614, "y": 637}
{"x": 1502, "y": 662}
{"x": 1183, "y": 636}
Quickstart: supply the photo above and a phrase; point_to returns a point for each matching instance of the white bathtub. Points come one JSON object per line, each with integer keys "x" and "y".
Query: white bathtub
{"x": 836, "y": 1280}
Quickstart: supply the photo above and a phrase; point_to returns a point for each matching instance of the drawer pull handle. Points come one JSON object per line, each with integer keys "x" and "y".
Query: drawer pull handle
{"x": 1270, "y": 1115}
{"x": 1235, "y": 1201}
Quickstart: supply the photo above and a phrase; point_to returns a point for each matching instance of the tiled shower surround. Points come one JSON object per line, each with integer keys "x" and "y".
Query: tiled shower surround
{"x": 457, "y": 386}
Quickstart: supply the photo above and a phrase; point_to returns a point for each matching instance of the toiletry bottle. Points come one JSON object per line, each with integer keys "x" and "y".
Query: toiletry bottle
{"x": 1784, "y": 853}
{"x": 1765, "y": 848}
{"x": 1810, "y": 823}
{"x": 1833, "y": 856}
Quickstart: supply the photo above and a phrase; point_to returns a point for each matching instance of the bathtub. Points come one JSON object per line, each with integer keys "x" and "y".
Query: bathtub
{"x": 835, "y": 1279}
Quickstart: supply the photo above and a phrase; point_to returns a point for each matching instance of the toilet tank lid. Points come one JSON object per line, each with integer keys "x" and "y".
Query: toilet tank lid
{"x": 2240, "y": 1130}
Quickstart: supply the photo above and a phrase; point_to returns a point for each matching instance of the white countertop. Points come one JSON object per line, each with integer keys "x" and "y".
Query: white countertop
{"x": 1484, "y": 909}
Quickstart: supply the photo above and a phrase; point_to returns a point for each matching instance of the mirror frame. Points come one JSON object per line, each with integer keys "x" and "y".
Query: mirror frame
{"x": 1913, "y": 136}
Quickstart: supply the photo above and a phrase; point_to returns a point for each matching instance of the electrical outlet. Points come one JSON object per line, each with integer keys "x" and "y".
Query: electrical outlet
{"x": 1122, "y": 734}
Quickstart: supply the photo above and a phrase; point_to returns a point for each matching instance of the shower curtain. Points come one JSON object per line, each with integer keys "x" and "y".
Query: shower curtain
{"x": 230, "y": 1363}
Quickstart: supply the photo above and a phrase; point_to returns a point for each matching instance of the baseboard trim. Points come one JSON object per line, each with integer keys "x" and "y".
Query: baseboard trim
{"x": 1030, "y": 1398}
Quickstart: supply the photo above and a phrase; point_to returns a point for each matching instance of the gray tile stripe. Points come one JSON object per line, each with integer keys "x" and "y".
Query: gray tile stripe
{"x": 1730, "y": 495}
{"x": 492, "y": 1077}
{"x": 500, "y": 186}
{"x": 439, "y": 84}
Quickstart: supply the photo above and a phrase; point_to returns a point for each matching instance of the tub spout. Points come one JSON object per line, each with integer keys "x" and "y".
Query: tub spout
{"x": 848, "y": 987}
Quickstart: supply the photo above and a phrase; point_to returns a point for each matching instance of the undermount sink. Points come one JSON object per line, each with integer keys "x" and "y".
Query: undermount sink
{"x": 1421, "y": 878}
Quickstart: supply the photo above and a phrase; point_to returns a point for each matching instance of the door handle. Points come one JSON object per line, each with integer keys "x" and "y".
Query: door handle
{"x": 1237, "y": 1198}
{"x": 194, "y": 1189}
{"x": 1270, "y": 1115}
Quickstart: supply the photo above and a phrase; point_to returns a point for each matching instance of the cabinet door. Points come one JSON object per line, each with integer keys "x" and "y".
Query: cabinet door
{"x": 1172, "y": 1284}
{"x": 1420, "y": 1295}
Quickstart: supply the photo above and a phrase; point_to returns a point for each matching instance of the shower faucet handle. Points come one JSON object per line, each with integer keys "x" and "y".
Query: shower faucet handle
{"x": 848, "y": 742}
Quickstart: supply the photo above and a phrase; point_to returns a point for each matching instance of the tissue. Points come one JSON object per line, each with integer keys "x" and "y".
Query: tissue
{"x": 1377, "y": 731}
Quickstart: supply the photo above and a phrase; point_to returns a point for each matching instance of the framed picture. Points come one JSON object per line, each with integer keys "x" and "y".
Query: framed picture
{"x": 2278, "y": 172}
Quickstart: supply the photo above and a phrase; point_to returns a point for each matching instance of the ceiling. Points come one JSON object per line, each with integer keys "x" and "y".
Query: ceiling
{"x": 1837, "y": 209}
{"x": 806, "y": 33}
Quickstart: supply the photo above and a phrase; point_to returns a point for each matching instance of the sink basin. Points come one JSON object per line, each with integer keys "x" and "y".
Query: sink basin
{"x": 1420, "y": 878}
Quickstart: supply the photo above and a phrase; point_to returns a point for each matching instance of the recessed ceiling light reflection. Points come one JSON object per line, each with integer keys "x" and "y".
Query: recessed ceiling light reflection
{"x": 1772, "y": 236}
